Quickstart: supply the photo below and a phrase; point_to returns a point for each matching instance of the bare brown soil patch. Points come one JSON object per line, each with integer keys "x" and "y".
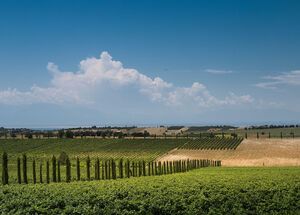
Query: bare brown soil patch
{"x": 251, "y": 152}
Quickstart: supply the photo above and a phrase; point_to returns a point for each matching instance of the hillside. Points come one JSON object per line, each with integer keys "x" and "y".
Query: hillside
{"x": 251, "y": 152}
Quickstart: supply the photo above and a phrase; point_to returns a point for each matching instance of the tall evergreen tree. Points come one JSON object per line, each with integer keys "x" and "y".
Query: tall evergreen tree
{"x": 41, "y": 173}
{"x": 19, "y": 170}
{"x": 33, "y": 171}
{"x": 78, "y": 168}
{"x": 88, "y": 168}
{"x": 4, "y": 168}
{"x": 58, "y": 171}
{"x": 53, "y": 168}
{"x": 25, "y": 169}
{"x": 47, "y": 172}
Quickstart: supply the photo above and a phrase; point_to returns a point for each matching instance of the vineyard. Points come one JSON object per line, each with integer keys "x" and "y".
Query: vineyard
{"x": 201, "y": 191}
{"x": 133, "y": 149}
{"x": 216, "y": 143}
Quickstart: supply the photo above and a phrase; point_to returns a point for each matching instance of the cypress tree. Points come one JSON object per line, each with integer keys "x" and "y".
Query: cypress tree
{"x": 68, "y": 170}
{"x": 121, "y": 168}
{"x": 97, "y": 169}
{"x": 88, "y": 170}
{"x": 106, "y": 171}
{"x": 102, "y": 168}
{"x": 113, "y": 169}
{"x": 4, "y": 168}
{"x": 168, "y": 168}
{"x": 133, "y": 168}
{"x": 58, "y": 171}
{"x": 152, "y": 168}
{"x": 41, "y": 173}
{"x": 47, "y": 172}
{"x": 19, "y": 170}
{"x": 53, "y": 168}
{"x": 127, "y": 169}
{"x": 140, "y": 169}
{"x": 33, "y": 171}
{"x": 159, "y": 168}
{"x": 149, "y": 168}
{"x": 96, "y": 173}
{"x": 144, "y": 168}
{"x": 25, "y": 169}
{"x": 187, "y": 165}
{"x": 78, "y": 168}
{"x": 109, "y": 169}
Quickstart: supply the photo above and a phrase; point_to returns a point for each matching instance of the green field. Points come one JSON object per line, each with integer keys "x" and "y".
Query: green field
{"x": 203, "y": 191}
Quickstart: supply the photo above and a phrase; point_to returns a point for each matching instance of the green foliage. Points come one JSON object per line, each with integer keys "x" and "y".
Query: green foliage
{"x": 63, "y": 158}
{"x": 203, "y": 191}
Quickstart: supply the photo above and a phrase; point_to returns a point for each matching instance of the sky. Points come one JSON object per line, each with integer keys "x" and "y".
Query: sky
{"x": 82, "y": 63}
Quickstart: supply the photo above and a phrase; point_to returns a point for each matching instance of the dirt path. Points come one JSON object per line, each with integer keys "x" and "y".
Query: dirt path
{"x": 251, "y": 152}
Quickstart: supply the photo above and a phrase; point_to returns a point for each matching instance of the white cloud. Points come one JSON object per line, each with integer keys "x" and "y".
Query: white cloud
{"x": 291, "y": 78}
{"x": 97, "y": 74}
{"x": 218, "y": 72}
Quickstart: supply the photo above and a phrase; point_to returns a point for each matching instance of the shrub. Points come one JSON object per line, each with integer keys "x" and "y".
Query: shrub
{"x": 63, "y": 158}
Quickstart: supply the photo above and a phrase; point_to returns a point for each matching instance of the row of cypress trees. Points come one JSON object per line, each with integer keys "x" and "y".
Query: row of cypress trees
{"x": 104, "y": 169}
{"x": 269, "y": 135}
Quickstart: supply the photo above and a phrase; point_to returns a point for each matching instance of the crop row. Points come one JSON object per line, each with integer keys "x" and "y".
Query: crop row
{"x": 215, "y": 143}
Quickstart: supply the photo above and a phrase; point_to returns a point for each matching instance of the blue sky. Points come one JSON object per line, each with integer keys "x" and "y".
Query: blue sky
{"x": 73, "y": 63}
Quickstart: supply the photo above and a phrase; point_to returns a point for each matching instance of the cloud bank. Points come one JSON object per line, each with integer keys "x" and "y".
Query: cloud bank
{"x": 291, "y": 78}
{"x": 96, "y": 75}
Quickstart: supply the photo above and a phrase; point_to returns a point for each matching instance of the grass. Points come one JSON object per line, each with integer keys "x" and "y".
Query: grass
{"x": 204, "y": 191}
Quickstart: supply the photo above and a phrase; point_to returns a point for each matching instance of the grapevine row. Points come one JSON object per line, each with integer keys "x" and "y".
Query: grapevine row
{"x": 215, "y": 143}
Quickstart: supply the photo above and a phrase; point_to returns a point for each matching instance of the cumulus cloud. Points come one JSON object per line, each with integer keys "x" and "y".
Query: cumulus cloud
{"x": 291, "y": 78}
{"x": 218, "y": 72}
{"x": 95, "y": 74}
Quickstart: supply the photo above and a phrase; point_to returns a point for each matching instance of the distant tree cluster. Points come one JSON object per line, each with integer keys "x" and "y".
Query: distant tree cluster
{"x": 271, "y": 126}
{"x": 89, "y": 133}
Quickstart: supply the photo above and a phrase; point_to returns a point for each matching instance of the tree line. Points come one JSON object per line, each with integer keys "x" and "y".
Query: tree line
{"x": 103, "y": 169}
